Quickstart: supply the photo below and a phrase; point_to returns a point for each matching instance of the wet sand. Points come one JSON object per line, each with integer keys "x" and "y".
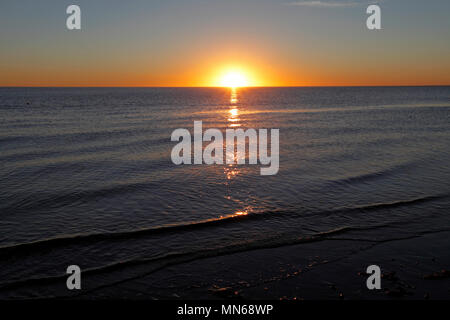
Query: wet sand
{"x": 412, "y": 268}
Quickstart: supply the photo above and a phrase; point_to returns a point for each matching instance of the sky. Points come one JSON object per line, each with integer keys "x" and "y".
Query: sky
{"x": 196, "y": 42}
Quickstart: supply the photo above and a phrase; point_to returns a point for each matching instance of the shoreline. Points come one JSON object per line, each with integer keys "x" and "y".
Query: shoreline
{"x": 333, "y": 269}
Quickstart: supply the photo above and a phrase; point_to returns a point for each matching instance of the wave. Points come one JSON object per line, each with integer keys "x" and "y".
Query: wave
{"x": 182, "y": 257}
{"x": 23, "y": 157}
{"x": 87, "y": 238}
{"x": 56, "y": 201}
{"x": 385, "y": 205}
{"x": 370, "y": 176}
{"x": 47, "y": 200}
{"x": 213, "y": 222}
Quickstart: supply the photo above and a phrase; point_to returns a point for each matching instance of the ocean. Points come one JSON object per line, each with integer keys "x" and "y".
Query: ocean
{"x": 86, "y": 178}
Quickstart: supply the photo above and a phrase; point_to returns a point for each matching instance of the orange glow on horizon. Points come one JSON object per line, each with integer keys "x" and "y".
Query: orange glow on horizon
{"x": 216, "y": 71}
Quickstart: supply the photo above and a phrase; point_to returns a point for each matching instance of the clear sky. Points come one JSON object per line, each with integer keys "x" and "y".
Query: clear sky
{"x": 193, "y": 42}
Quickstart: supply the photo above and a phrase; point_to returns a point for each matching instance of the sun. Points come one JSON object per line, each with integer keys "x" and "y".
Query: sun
{"x": 234, "y": 79}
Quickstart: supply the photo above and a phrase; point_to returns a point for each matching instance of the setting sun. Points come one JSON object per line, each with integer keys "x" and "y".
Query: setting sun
{"x": 234, "y": 79}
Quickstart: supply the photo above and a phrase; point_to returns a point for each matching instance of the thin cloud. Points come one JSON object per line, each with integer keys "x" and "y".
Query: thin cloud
{"x": 327, "y": 4}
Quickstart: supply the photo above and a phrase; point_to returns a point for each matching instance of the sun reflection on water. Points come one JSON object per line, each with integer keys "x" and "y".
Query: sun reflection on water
{"x": 236, "y": 214}
{"x": 233, "y": 98}
{"x": 234, "y": 111}
{"x": 232, "y": 171}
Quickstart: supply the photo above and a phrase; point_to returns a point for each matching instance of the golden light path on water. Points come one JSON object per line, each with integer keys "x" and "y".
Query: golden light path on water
{"x": 232, "y": 170}
{"x": 234, "y": 111}
{"x": 233, "y": 117}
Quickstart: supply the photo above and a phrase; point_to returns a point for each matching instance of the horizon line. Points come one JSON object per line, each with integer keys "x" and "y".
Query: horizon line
{"x": 222, "y": 87}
